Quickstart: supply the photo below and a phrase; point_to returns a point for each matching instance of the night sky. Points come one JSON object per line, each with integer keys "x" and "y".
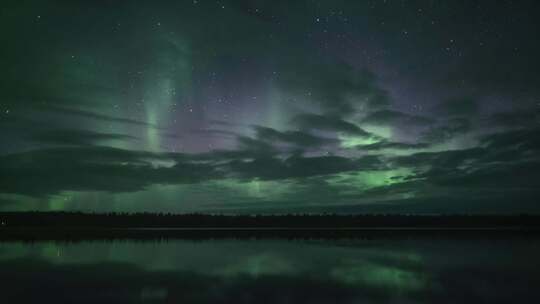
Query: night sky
{"x": 270, "y": 106}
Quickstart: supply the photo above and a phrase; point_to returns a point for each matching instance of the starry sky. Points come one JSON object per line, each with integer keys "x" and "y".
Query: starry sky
{"x": 386, "y": 106}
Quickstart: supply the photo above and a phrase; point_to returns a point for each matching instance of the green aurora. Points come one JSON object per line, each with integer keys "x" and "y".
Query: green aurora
{"x": 268, "y": 107}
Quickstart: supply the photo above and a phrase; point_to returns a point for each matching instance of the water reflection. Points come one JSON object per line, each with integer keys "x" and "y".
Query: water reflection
{"x": 271, "y": 271}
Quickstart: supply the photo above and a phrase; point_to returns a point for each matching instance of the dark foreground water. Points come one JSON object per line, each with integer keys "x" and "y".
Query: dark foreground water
{"x": 272, "y": 271}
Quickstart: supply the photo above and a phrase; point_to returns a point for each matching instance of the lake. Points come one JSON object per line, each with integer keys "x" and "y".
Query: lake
{"x": 396, "y": 270}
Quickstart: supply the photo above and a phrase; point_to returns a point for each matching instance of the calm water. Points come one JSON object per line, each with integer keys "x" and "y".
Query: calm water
{"x": 272, "y": 271}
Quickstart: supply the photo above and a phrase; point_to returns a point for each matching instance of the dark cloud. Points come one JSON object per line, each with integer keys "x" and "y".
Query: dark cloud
{"x": 268, "y": 141}
{"x": 297, "y": 138}
{"x": 518, "y": 176}
{"x": 252, "y": 149}
{"x": 328, "y": 123}
{"x": 338, "y": 87}
{"x": 442, "y": 159}
{"x": 255, "y": 145}
{"x": 386, "y": 144}
{"x": 392, "y": 118}
{"x": 77, "y": 137}
{"x": 94, "y": 116}
{"x": 519, "y": 118}
{"x": 272, "y": 168}
{"x": 520, "y": 140}
{"x": 506, "y": 165}
{"x": 50, "y": 171}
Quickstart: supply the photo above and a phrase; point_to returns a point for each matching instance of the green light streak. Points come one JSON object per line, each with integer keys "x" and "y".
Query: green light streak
{"x": 258, "y": 265}
{"x": 381, "y": 276}
{"x": 364, "y": 180}
{"x": 353, "y": 141}
{"x": 349, "y": 141}
{"x": 255, "y": 188}
{"x": 383, "y": 132}
{"x": 152, "y": 135}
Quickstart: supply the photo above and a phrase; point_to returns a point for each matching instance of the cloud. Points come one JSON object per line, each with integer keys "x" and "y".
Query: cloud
{"x": 504, "y": 160}
{"x": 46, "y": 172}
{"x": 296, "y": 138}
{"x": 50, "y": 171}
{"x": 519, "y": 118}
{"x": 255, "y": 145}
{"x": 272, "y": 168}
{"x": 519, "y": 176}
{"x": 475, "y": 174}
{"x": 520, "y": 140}
{"x": 386, "y": 144}
{"x": 337, "y": 87}
{"x": 269, "y": 141}
{"x": 391, "y": 118}
{"x": 95, "y": 116}
{"x": 442, "y": 159}
{"x": 328, "y": 123}
{"x": 76, "y": 137}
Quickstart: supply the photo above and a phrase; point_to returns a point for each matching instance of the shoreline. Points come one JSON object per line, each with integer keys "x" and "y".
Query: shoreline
{"x": 203, "y": 233}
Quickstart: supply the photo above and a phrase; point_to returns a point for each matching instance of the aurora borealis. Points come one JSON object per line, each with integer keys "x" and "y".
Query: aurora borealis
{"x": 270, "y": 106}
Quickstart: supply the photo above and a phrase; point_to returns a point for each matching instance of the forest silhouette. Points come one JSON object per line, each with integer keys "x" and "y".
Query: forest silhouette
{"x": 32, "y": 226}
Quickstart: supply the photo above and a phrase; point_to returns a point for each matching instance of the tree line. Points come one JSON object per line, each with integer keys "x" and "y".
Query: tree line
{"x": 199, "y": 220}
